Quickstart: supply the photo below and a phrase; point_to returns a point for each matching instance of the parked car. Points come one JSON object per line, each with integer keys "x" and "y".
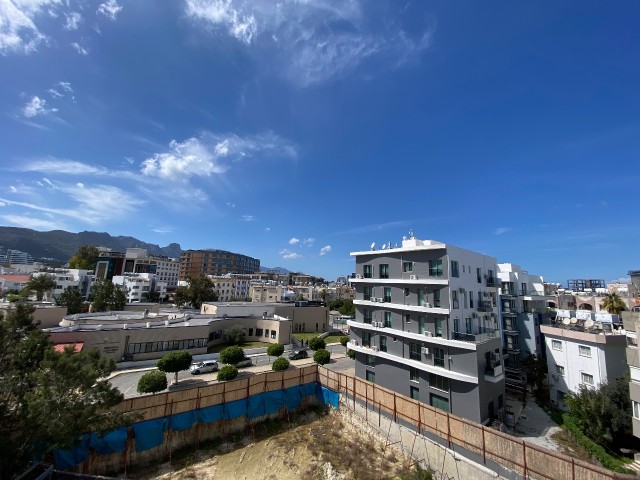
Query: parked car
{"x": 203, "y": 367}
{"x": 298, "y": 354}
{"x": 245, "y": 362}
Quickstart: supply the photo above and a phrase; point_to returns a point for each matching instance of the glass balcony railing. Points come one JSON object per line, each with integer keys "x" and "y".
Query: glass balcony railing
{"x": 483, "y": 335}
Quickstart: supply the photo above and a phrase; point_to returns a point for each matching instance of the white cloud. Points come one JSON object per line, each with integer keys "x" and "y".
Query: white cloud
{"x": 62, "y": 89}
{"x": 18, "y": 30}
{"x": 325, "y": 250}
{"x": 110, "y": 9}
{"x": 33, "y": 223}
{"x": 2, "y": 204}
{"x": 313, "y": 41}
{"x": 101, "y": 202}
{"x": 267, "y": 229}
{"x": 73, "y": 20}
{"x": 289, "y": 255}
{"x": 62, "y": 166}
{"x": 13, "y": 189}
{"x": 247, "y": 218}
{"x": 231, "y": 205}
{"x": 501, "y": 230}
{"x": 162, "y": 230}
{"x": 37, "y": 107}
{"x": 309, "y": 241}
{"x": 294, "y": 241}
{"x": 80, "y": 49}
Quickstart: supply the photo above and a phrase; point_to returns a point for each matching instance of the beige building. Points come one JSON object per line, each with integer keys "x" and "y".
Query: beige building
{"x": 305, "y": 319}
{"x": 45, "y": 315}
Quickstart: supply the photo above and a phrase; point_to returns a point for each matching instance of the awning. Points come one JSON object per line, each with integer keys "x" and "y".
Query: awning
{"x": 76, "y": 346}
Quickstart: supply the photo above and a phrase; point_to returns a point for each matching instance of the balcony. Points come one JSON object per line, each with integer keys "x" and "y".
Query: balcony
{"x": 494, "y": 370}
{"x": 482, "y": 336}
{"x": 485, "y": 306}
{"x": 493, "y": 282}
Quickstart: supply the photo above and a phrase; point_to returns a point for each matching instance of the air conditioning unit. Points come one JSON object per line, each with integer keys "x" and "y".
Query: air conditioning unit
{"x": 413, "y": 277}
{"x": 425, "y": 350}
{"x": 380, "y": 300}
{"x": 428, "y": 334}
{"x": 358, "y": 275}
{"x": 427, "y": 305}
{"x": 375, "y": 349}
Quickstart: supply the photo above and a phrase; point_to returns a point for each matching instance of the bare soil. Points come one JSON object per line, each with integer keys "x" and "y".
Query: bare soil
{"x": 320, "y": 446}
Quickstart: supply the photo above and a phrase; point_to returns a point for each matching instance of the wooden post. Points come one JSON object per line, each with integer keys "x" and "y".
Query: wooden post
{"x": 484, "y": 449}
{"x": 573, "y": 469}
{"x": 448, "y": 431}
{"x": 354, "y": 393}
{"x": 395, "y": 412}
{"x": 524, "y": 459}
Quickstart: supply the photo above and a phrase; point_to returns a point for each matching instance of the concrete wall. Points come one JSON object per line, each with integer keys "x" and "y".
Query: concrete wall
{"x": 305, "y": 319}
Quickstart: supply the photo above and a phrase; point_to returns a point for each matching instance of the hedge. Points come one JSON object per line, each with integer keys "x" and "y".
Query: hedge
{"x": 228, "y": 372}
{"x": 280, "y": 364}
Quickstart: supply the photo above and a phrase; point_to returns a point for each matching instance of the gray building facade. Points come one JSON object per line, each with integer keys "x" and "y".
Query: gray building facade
{"x": 426, "y": 326}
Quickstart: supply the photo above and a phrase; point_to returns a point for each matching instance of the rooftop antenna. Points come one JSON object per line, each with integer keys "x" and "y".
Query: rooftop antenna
{"x": 411, "y": 235}
{"x": 388, "y": 244}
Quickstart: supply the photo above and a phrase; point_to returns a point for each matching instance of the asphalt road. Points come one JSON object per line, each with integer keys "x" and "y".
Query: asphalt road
{"x": 127, "y": 381}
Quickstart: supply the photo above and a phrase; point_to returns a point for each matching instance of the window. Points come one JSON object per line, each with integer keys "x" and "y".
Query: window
{"x": 560, "y": 370}
{"x": 387, "y": 319}
{"x": 636, "y": 409}
{"x": 383, "y": 343}
{"x": 560, "y": 395}
{"x": 455, "y": 269}
{"x": 273, "y": 334}
{"x": 366, "y": 339}
{"x": 250, "y": 332}
{"x": 384, "y": 270}
{"x": 371, "y": 360}
{"x": 523, "y": 287}
{"x": 414, "y": 351}
{"x": 266, "y": 333}
{"x": 439, "y": 402}
{"x": 556, "y": 345}
{"x": 467, "y": 325}
{"x": 407, "y": 317}
{"x": 421, "y": 324}
{"x": 414, "y": 392}
{"x": 406, "y": 292}
{"x": 584, "y": 351}
{"x": 454, "y": 299}
{"x": 439, "y": 382}
{"x": 371, "y": 376}
{"x": 471, "y": 300}
{"x": 367, "y": 270}
{"x": 438, "y": 357}
{"x": 436, "y": 298}
{"x": 435, "y": 268}
{"x": 258, "y": 332}
{"x": 586, "y": 378}
{"x": 414, "y": 374}
{"x": 407, "y": 266}
{"x": 368, "y": 315}
{"x": 421, "y": 295}
{"x": 479, "y": 275}
{"x": 367, "y": 293}
{"x": 438, "y": 327}
{"x": 387, "y": 294}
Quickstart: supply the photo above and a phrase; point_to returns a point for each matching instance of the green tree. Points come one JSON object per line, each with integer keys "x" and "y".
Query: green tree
{"x": 174, "y": 362}
{"x": 181, "y": 296}
{"x": 152, "y": 382}
{"x": 85, "y": 258}
{"x": 280, "y": 364}
{"x": 322, "y": 356}
{"x": 344, "y": 340}
{"x": 72, "y": 299}
{"x": 317, "y": 343}
{"x": 351, "y": 354}
{"x": 228, "y": 372}
{"x": 336, "y": 304}
{"x": 234, "y": 335}
{"x": 275, "y": 350}
{"x": 231, "y": 355}
{"x": 48, "y": 398}
{"x": 201, "y": 289}
{"x": 40, "y": 284}
{"x": 347, "y": 308}
{"x": 612, "y": 303}
{"x": 107, "y": 296}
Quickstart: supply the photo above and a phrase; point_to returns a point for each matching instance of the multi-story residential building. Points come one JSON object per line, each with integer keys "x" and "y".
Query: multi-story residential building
{"x": 137, "y": 260}
{"x": 268, "y": 292}
{"x": 231, "y": 287}
{"x": 12, "y": 282}
{"x": 141, "y": 286}
{"x": 9, "y": 256}
{"x": 79, "y": 279}
{"x": 583, "y": 349}
{"x": 426, "y": 326}
{"x": 523, "y": 308}
{"x": 631, "y": 322}
{"x": 215, "y": 262}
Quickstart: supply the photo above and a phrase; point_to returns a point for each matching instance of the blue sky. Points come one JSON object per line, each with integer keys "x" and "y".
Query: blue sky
{"x": 299, "y": 131}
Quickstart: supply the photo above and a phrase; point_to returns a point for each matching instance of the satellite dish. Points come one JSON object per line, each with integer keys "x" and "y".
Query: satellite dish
{"x": 588, "y": 324}
{"x": 574, "y": 320}
{"x": 383, "y": 247}
{"x": 566, "y": 321}
{"x": 373, "y": 245}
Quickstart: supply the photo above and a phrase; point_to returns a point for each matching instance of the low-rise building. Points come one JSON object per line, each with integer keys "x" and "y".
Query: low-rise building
{"x": 45, "y": 314}
{"x": 231, "y": 287}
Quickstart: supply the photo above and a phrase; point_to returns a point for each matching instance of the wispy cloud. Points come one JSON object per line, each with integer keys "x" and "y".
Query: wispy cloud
{"x": 73, "y": 20}
{"x": 289, "y": 255}
{"x": 33, "y": 223}
{"x": 501, "y": 230}
{"x": 313, "y": 41}
{"x": 162, "y": 229}
{"x": 18, "y": 30}
{"x": 375, "y": 227}
{"x": 247, "y": 218}
{"x": 80, "y": 50}
{"x": 37, "y": 107}
{"x": 294, "y": 241}
{"x": 325, "y": 250}
{"x": 110, "y": 9}
{"x": 309, "y": 241}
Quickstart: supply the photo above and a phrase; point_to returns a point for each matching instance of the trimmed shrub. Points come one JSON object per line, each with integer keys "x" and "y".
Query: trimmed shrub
{"x": 317, "y": 343}
{"x": 322, "y": 356}
{"x": 280, "y": 364}
{"x": 228, "y": 372}
{"x": 275, "y": 350}
{"x": 351, "y": 354}
{"x": 174, "y": 362}
{"x": 344, "y": 340}
{"x": 152, "y": 382}
{"x": 231, "y": 355}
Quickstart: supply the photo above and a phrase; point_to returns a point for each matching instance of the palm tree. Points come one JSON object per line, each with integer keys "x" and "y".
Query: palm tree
{"x": 40, "y": 284}
{"x": 613, "y": 303}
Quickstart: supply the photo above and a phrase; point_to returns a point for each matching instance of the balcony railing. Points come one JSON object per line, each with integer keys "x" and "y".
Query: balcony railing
{"x": 485, "y": 306}
{"x": 494, "y": 370}
{"x": 493, "y": 282}
{"x": 483, "y": 335}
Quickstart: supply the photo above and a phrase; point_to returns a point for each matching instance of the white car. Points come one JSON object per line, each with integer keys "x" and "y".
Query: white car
{"x": 203, "y": 367}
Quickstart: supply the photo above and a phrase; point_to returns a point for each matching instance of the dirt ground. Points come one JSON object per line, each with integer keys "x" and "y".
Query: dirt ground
{"x": 320, "y": 446}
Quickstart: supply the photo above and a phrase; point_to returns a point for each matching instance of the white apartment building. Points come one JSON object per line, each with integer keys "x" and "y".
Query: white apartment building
{"x": 584, "y": 349}
{"x": 139, "y": 286}
{"x": 269, "y": 292}
{"x": 82, "y": 280}
{"x": 231, "y": 287}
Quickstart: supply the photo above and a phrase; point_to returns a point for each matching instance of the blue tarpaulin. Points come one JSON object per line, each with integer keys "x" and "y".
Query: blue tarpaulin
{"x": 149, "y": 434}
{"x": 112, "y": 442}
{"x": 184, "y": 421}
{"x": 328, "y": 396}
{"x": 308, "y": 389}
{"x": 64, "y": 459}
{"x": 211, "y": 414}
{"x": 273, "y": 401}
{"x": 293, "y": 397}
{"x": 235, "y": 409}
{"x": 255, "y": 406}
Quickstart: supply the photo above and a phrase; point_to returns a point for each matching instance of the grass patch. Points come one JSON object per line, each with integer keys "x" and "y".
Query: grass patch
{"x": 222, "y": 346}
{"x": 306, "y": 336}
{"x": 333, "y": 338}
